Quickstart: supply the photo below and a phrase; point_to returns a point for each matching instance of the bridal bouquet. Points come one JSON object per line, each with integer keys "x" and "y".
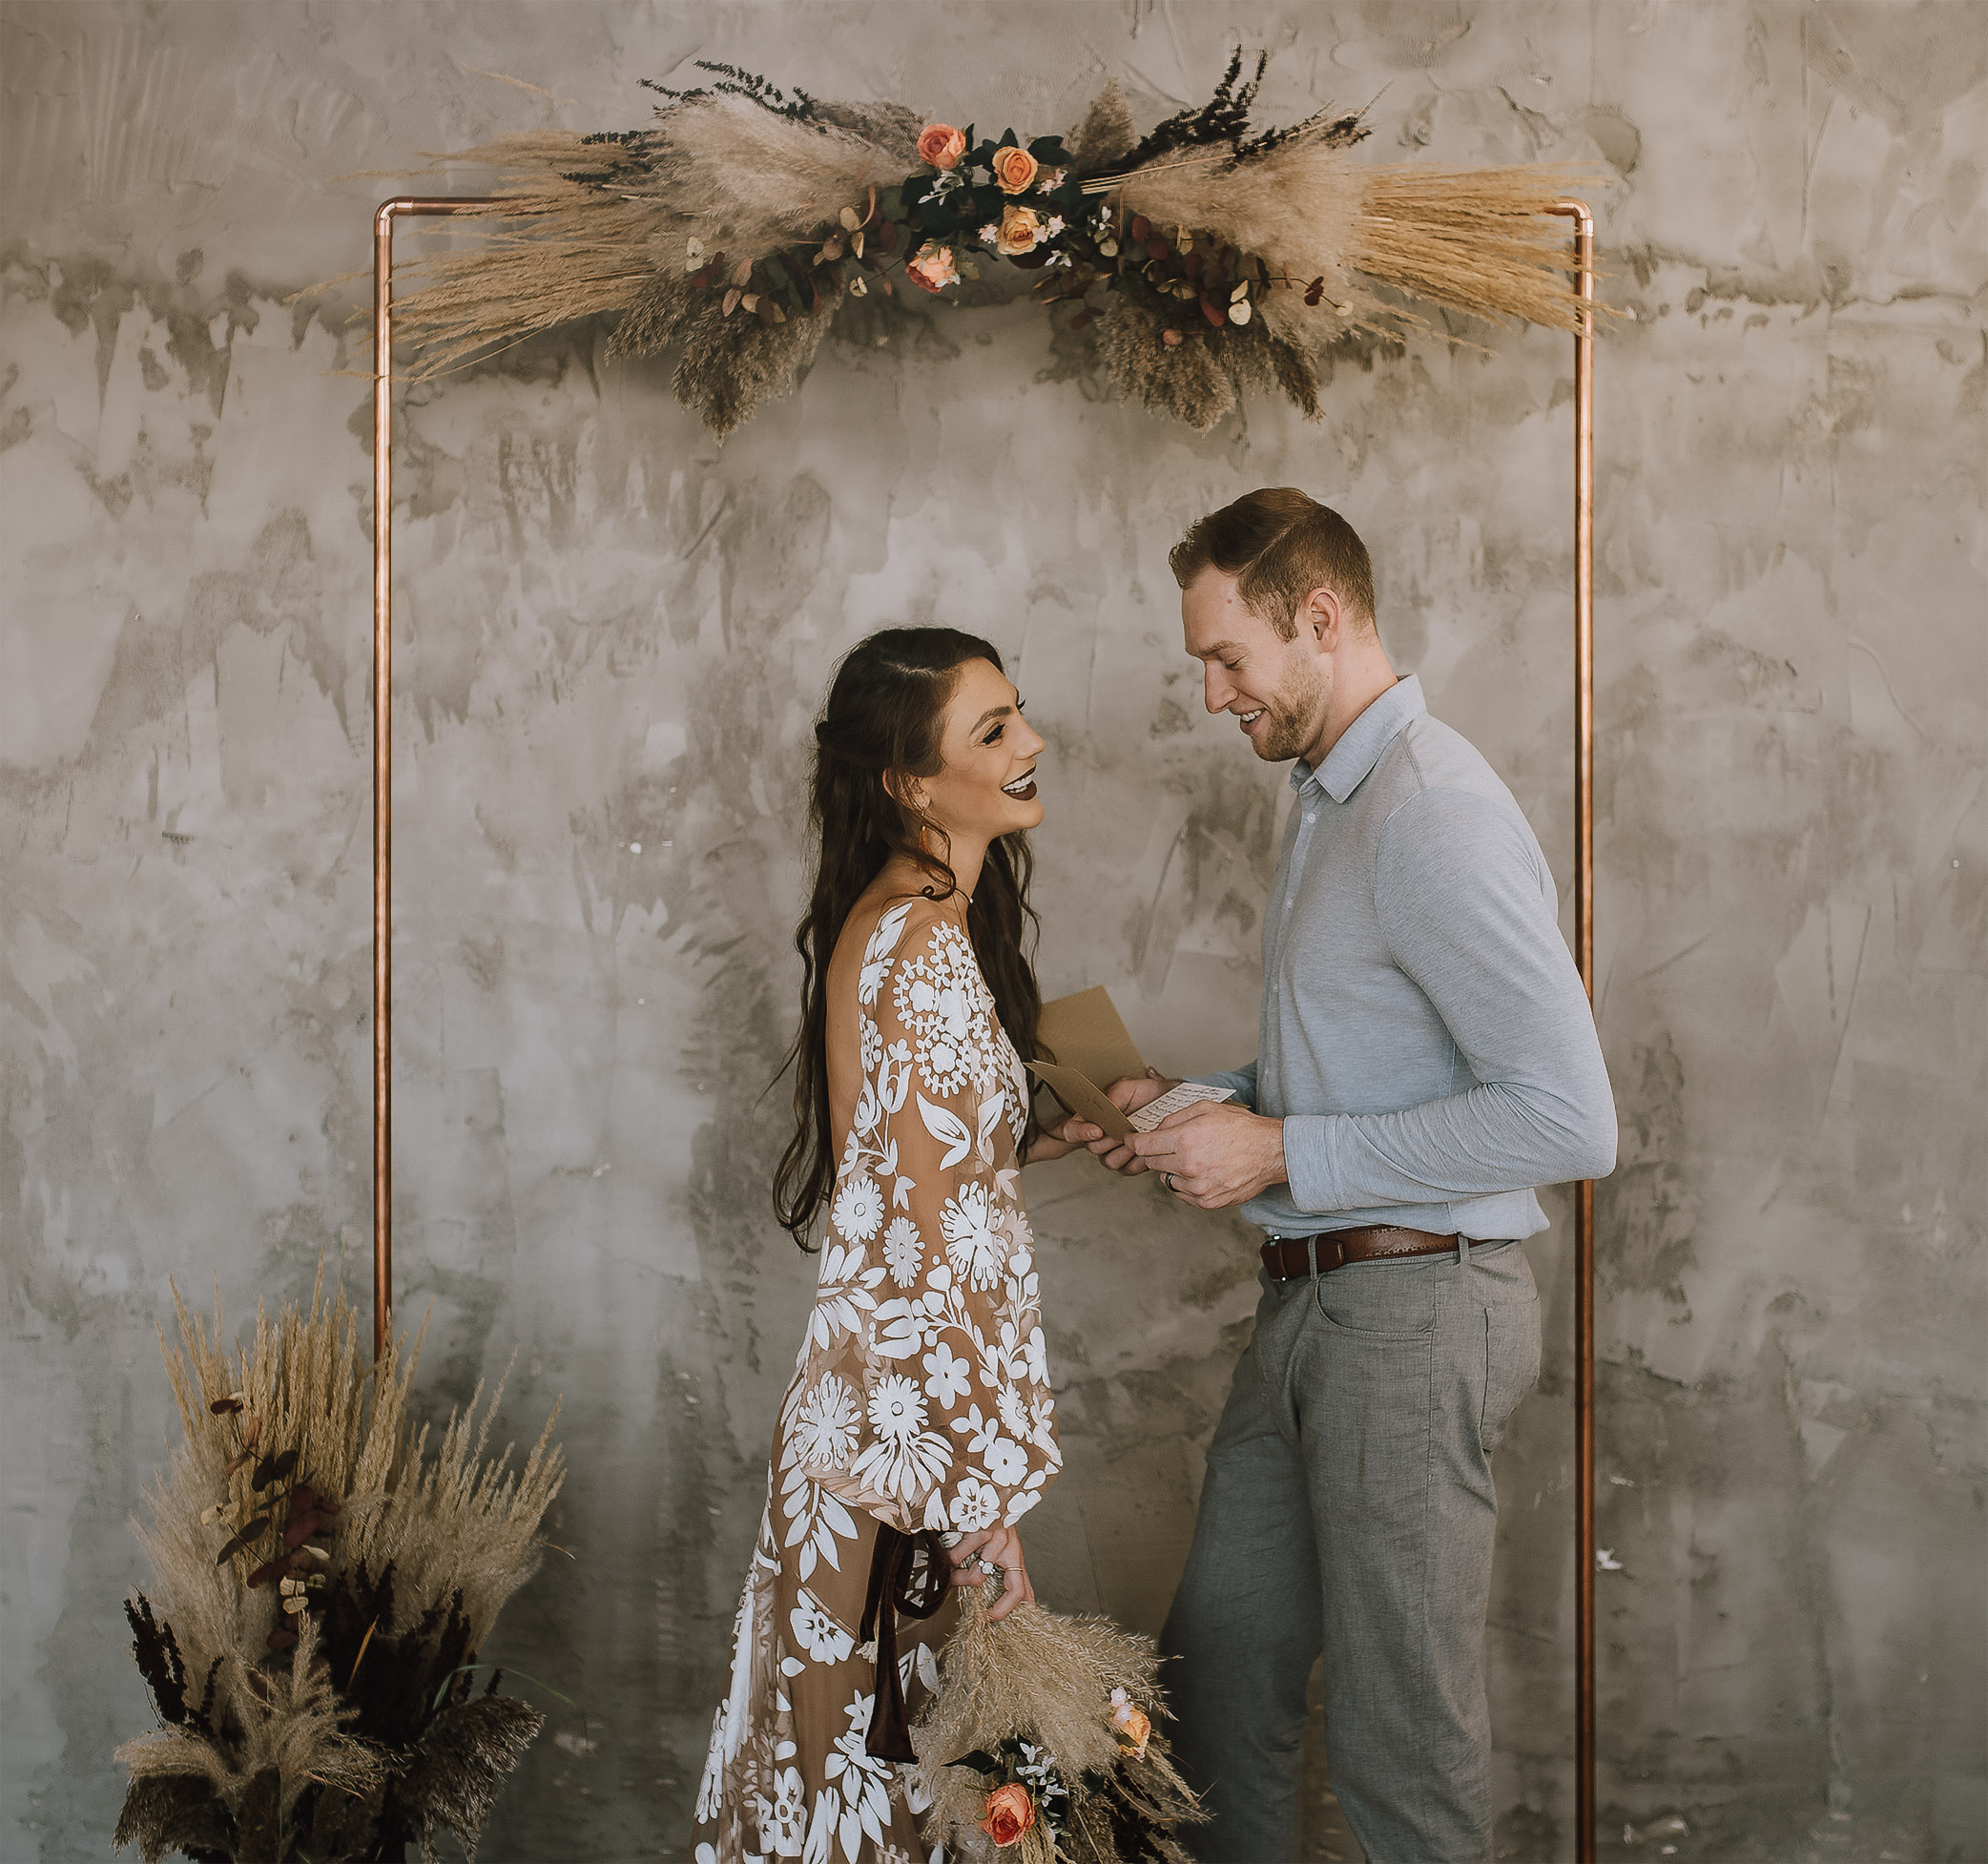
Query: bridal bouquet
{"x": 1035, "y": 1745}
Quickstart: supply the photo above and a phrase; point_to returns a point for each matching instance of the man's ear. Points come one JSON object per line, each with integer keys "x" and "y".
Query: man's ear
{"x": 1325, "y": 615}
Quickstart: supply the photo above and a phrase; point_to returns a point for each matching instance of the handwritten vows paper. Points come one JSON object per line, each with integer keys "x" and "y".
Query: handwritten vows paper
{"x": 1187, "y": 1095}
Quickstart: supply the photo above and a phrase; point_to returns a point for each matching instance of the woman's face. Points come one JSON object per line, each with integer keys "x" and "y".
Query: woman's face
{"x": 986, "y": 787}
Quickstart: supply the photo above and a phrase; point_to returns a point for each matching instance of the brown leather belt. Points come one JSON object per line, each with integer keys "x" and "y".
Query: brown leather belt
{"x": 1287, "y": 1257}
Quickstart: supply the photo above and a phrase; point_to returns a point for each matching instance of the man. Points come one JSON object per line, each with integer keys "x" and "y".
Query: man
{"x": 1426, "y": 1058}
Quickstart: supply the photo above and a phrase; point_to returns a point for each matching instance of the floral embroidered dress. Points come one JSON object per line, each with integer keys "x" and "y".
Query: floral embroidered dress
{"x": 921, "y": 1401}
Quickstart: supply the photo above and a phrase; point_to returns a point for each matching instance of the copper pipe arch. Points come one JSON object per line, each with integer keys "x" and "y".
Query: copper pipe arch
{"x": 409, "y": 206}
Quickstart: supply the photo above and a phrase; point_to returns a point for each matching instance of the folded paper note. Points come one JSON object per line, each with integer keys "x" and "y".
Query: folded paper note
{"x": 1092, "y": 1049}
{"x": 1188, "y": 1094}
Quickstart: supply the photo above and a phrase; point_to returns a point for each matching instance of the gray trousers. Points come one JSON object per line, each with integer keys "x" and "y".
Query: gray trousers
{"x": 1349, "y": 1508}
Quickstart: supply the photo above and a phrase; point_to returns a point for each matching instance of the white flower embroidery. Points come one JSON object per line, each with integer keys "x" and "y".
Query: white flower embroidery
{"x": 872, "y": 1046}
{"x": 865, "y": 1782}
{"x": 1007, "y": 1463}
{"x": 1014, "y": 1413}
{"x": 896, "y": 1411}
{"x": 1036, "y": 1351}
{"x": 941, "y": 996}
{"x": 979, "y": 1431}
{"x": 827, "y": 1424}
{"x": 815, "y": 1520}
{"x": 975, "y": 1505}
{"x": 904, "y": 1251}
{"x": 972, "y": 1245}
{"x": 818, "y": 1632}
{"x": 949, "y": 1377}
{"x": 904, "y": 1459}
{"x": 712, "y": 1785}
{"x": 781, "y": 1818}
{"x": 842, "y": 1294}
{"x": 858, "y": 1207}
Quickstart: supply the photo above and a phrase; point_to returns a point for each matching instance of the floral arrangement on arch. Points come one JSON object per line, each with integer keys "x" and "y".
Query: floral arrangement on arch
{"x": 1199, "y": 260}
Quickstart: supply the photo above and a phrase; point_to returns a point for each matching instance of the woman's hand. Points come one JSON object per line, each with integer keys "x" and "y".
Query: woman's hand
{"x": 1057, "y": 1142}
{"x": 1129, "y": 1096}
{"x": 996, "y": 1546}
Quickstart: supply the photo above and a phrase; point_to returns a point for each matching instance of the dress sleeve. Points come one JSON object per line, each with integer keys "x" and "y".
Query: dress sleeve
{"x": 925, "y": 1388}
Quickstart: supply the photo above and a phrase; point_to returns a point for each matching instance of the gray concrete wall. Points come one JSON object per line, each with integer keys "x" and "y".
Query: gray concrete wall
{"x": 613, "y": 634}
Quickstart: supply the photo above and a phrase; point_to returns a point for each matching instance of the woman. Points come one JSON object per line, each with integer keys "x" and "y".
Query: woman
{"x": 921, "y": 1403}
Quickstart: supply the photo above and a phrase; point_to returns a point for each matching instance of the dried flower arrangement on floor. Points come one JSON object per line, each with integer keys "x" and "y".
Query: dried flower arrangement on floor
{"x": 1036, "y": 1743}
{"x": 1201, "y": 259}
{"x": 324, "y": 1585}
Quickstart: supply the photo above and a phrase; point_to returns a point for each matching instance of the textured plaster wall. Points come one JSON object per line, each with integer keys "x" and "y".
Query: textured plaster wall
{"x": 613, "y": 634}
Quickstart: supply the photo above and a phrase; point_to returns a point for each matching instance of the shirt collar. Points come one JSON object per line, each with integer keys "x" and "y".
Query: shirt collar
{"x": 1350, "y": 762}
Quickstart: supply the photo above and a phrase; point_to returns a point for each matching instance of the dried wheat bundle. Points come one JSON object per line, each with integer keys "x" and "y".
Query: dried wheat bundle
{"x": 1469, "y": 240}
{"x": 324, "y": 1585}
{"x": 1208, "y": 259}
{"x": 1073, "y": 1699}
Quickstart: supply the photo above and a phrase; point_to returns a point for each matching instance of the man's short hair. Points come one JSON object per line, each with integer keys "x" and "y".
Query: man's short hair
{"x": 1280, "y": 544}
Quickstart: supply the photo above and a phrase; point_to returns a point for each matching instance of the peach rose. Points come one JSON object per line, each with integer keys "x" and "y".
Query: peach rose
{"x": 940, "y": 145}
{"x": 1014, "y": 169}
{"x": 932, "y": 266}
{"x": 1134, "y": 1725}
{"x": 1010, "y": 1812}
{"x": 1021, "y": 231}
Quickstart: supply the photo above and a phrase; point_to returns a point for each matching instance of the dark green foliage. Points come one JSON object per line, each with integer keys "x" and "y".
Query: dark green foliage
{"x": 734, "y": 82}
{"x": 159, "y": 1663}
{"x": 1225, "y": 118}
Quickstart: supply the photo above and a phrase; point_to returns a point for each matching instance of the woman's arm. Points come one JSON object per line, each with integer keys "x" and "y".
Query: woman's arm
{"x": 926, "y": 1342}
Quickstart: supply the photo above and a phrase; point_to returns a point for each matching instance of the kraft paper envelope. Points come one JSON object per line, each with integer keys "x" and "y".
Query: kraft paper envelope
{"x": 1092, "y": 1049}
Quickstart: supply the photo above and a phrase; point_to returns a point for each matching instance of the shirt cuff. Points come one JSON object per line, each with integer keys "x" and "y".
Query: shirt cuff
{"x": 1310, "y": 1162}
{"x": 1241, "y": 1081}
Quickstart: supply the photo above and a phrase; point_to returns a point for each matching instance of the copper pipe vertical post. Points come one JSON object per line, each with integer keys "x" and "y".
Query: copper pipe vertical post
{"x": 382, "y": 743}
{"x": 1585, "y": 1809}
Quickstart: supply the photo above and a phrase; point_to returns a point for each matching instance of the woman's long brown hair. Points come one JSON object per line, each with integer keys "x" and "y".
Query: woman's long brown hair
{"x": 883, "y": 716}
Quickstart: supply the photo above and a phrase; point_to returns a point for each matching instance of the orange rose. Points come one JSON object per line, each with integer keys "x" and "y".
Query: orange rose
{"x": 1014, "y": 169}
{"x": 1135, "y": 1728}
{"x": 932, "y": 267}
{"x": 1010, "y": 1812}
{"x": 940, "y": 145}
{"x": 1021, "y": 231}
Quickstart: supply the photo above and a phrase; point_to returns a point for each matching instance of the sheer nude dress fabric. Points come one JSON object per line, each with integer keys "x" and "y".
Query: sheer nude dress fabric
{"x": 921, "y": 1400}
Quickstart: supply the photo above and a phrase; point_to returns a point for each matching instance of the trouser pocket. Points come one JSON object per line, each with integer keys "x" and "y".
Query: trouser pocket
{"x": 1511, "y": 1364}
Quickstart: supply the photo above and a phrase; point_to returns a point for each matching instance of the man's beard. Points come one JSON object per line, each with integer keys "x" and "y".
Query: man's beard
{"x": 1292, "y": 723}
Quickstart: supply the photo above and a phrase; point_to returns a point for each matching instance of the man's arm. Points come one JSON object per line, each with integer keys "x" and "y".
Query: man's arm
{"x": 1465, "y": 916}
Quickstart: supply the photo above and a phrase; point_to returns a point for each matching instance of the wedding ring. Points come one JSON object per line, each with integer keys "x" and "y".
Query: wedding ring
{"x": 1171, "y": 1185}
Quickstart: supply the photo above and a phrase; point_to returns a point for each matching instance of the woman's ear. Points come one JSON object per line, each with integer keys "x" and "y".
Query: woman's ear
{"x": 906, "y": 791}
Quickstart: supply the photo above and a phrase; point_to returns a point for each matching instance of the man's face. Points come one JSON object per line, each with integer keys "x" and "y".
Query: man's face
{"x": 1278, "y": 690}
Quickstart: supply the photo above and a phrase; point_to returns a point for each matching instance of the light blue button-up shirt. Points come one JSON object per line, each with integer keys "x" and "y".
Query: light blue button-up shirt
{"x": 1425, "y": 1038}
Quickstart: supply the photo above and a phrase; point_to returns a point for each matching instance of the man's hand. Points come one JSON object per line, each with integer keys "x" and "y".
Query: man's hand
{"x": 1129, "y": 1096}
{"x": 1215, "y": 1154}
